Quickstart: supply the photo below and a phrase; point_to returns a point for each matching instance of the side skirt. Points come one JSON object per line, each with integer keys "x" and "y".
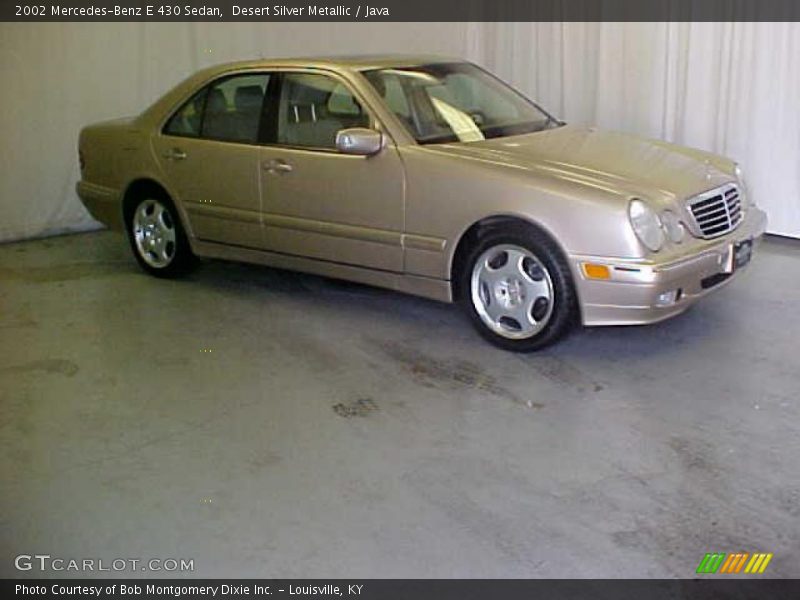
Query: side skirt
{"x": 435, "y": 289}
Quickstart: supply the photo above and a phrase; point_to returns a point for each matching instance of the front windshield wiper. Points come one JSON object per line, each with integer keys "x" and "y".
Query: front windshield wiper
{"x": 497, "y": 131}
{"x": 438, "y": 139}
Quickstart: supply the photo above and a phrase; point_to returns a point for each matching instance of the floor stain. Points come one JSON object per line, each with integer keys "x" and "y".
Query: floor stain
{"x": 452, "y": 374}
{"x": 67, "y": 272}
{"x": 18, "y": 322}
{"x": 694, "y": 455}
{"x": 563, "y": 374}
{"x": 362, "y": 407}
{"x": 262, "y": 461}
{"x": 789, "y": 501}
{"x": 54, "y": 366}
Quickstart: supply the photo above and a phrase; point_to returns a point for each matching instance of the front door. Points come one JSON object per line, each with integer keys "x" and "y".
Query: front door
{"x": 317, "y": 202}
{"x": 210, "y": 154}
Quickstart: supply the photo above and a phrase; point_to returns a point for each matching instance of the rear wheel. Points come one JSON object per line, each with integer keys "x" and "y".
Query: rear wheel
{"x": 157, "y": 238}
{"x": 517, "y": 289}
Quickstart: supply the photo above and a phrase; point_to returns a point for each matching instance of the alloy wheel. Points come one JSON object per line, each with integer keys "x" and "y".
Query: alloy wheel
{"x": 154, "y": 233}
{"x": 512, "y": 291}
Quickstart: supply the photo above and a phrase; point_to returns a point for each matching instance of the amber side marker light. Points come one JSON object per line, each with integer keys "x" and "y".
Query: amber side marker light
{"x": 593, "y": 271}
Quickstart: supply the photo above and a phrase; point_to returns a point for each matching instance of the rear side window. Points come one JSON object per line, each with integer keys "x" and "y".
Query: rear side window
{"x": 233, "y": 108}
{"x": 228, "y": 110}
{"x": 187, "y": 120}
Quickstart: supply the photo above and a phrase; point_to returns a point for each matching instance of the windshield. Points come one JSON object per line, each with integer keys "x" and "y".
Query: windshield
{"x": 456, "y": 102}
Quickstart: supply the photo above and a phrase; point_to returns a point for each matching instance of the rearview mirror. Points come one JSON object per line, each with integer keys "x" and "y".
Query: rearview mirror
{"x": 359, "y": 141}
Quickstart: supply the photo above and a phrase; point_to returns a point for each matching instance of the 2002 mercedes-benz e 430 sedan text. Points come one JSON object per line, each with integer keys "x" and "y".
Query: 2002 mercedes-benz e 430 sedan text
{"x": 424, "y": 175}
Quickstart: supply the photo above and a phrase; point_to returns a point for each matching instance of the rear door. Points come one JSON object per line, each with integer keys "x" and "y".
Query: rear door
{"x": 209, "y": 151}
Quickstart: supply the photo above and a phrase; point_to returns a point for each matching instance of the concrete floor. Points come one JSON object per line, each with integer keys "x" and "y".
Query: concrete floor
{"x": 270, "y": 424}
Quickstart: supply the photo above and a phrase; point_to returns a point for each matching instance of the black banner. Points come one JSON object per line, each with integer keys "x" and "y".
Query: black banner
{"x": 734, "y": 588}
{"x": 399, "y": 10}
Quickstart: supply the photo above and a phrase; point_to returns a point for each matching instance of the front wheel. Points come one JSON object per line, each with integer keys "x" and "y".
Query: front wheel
{"x": 157, "y": 238}
{"x": 517, "y": 289}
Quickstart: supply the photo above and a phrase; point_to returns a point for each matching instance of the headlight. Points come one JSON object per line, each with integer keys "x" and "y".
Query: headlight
{"x": 646, "y": 224}
{"x": 745, "y": 197}
{"x": 673, "y": 226}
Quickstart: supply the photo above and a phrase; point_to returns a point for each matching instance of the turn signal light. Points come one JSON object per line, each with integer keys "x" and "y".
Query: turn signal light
{"x": 594, "y": 271}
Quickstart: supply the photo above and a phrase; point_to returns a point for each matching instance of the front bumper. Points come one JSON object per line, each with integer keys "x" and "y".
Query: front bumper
{"x": 631, "y": 295}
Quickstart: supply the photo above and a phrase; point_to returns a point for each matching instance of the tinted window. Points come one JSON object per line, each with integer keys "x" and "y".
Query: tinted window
{"x": 313, "y": 108}
{"x": 233, "y": 108}
{"x": 188, "y": 118}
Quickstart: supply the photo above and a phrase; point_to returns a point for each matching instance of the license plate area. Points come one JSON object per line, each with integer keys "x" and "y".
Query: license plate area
{"x": 742, "y": 253}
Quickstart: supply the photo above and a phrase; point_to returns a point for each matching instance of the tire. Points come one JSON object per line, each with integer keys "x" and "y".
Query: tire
{"x": 517, "y": 289}
{"x": 157, "y": 237}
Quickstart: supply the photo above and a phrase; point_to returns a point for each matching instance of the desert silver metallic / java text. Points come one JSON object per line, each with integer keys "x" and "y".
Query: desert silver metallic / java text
{"x": 154, "y": 233}
{"x": 512, "y": 291}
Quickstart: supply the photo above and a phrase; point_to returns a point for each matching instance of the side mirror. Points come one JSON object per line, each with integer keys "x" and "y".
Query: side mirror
{"x": 360, "y": 141}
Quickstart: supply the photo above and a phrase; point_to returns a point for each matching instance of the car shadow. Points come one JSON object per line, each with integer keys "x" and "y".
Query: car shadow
{"x": 699, "y": 322}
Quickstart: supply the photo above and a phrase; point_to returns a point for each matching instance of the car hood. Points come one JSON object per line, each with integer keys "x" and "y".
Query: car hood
{"x": 618, "y": 162}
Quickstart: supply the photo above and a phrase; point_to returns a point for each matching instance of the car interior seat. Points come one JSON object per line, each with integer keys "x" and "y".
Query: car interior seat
{"x": 248, "y": 101}
{"x": 217, "y": 122}
{"x": 307, "y": 120}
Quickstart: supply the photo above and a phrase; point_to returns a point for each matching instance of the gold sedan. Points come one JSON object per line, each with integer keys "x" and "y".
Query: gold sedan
{"x": 424, "y": 175}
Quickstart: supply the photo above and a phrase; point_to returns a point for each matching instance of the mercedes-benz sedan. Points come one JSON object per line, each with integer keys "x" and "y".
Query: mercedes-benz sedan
{"x": 427, "y": 176}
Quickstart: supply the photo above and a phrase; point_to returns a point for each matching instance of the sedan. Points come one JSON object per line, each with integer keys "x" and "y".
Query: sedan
{"x": 427, "y": 176}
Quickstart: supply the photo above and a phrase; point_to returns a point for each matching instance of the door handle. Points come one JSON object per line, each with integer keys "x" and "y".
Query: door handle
{"x": 277, "y": 166}
{"x": 175, "y": 154}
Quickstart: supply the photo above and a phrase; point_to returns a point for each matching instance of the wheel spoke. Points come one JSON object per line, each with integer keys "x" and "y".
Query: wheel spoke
{"x": 490, "y": 277}
{"x": 522, "y": 315}
{"x": 494, "y": 309}
{"x": 158, "y": 213}
{"x": 535, "y": 289}
{"x": 512, "y": 266}
{"x": 163, "y": 220}
{"x": 144, "y": 218}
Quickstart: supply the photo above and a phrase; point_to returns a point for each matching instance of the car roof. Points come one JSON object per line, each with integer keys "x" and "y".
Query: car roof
{"x": 351, "y": 62}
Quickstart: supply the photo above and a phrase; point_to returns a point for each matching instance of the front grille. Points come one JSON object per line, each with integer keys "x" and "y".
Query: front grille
{"x": 717, "y": 212}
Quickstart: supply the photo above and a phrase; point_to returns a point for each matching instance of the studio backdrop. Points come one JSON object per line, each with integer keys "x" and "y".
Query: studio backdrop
{"x": 732, "y": 88}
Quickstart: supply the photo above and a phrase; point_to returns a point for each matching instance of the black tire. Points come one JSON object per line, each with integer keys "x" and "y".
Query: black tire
{"x": 181, "y": 260}
{"x": 564, "y": 312}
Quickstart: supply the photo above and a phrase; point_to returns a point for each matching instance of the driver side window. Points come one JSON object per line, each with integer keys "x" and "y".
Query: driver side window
{"x": 314, "y": 108}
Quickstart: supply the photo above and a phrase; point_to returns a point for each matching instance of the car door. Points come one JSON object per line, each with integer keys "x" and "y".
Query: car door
{"x": 318, "y": 202}
{"x": 208, "y": 150}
